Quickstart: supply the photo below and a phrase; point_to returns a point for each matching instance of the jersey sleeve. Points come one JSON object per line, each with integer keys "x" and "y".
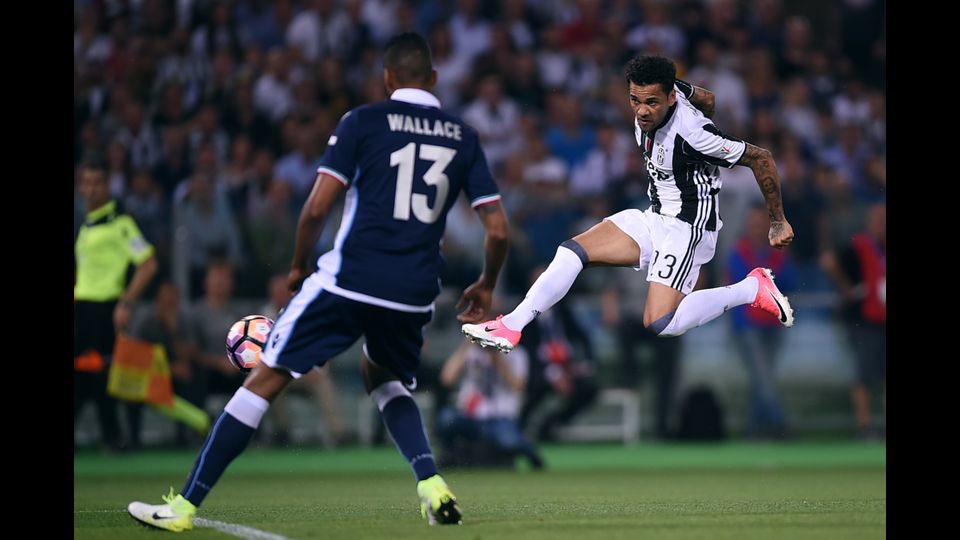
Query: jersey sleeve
{"x": 137, "y": 248}
{"x": 481, "y": 188}
{"x": 704, "y": 141}
{"x": 340, "y": 159}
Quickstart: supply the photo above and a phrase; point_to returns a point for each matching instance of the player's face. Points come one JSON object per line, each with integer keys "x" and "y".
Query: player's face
{"x": 650, "y": 104}
{"x": 94, "y": 188}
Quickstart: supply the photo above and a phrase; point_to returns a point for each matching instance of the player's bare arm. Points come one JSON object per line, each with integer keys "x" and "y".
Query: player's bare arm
{"x": 325, "y": 192}
{"x": 761, "y": 162}
{"x": 704, "y": 100}
{"x": 477, "y": 297}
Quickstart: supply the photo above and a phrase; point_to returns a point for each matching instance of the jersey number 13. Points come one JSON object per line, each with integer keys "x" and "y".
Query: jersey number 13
{"x": 405, "y": 200}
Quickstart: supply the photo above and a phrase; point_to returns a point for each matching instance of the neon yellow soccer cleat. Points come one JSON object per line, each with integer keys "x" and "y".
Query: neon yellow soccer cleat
{"x": 437, "y": 502}
{"x": 176, "y": 515}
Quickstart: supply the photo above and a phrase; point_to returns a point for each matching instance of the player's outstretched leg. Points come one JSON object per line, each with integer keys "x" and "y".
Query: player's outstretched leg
{"x": 228, "y": 438}
{"x": 504, "y": 332}
{"x": 701, "y": 307}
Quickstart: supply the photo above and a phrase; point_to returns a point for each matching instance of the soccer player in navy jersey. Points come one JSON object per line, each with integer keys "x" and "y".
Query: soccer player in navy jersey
{"x": 402, "y": 163}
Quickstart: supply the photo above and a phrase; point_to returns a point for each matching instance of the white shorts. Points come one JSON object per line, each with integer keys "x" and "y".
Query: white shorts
{"x": 671, "y": 250}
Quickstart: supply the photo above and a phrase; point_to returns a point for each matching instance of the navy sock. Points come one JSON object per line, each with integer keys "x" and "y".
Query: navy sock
{"x": 402, "y": 418}
{"x": 226, "y": 441}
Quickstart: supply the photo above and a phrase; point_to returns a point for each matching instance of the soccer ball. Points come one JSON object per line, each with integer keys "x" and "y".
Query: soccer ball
{"x": 246, "y": 341}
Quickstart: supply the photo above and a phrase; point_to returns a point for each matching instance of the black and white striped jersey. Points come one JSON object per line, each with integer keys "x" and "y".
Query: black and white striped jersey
{"x": 683, "y": 157}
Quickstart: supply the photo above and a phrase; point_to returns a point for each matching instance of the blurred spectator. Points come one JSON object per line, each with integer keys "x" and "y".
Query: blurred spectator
{"x": 167, "y": 324}
{"x": 568, "y": 136}
{"x": 642, "y": 355}
{"x": 732, "y": 109}
{"x": 263, "y": 23}
{"x": 272, "y": 92}
{"x": 174, "y": 163}
{"x": 178, "y": 63}
{"x": 203, "y": 230}
{"x": 207, "y": 129}
{"x": 148, "y": 207}
{"x": 657, "y": 34}
{"x": 557, "y": 368}
{"x": 138, "y": 137}
{"x": 271, "y": 231}
{"x": 321, "y": 28}
{"x": 241, "y": 116}
{"x": 757, "y": 334}
{"x": 488, "y": 402}
{"x": 118, "y": 168}
{"x": 210, "y": 319}
{"x": 216, "y": 31}
{"x": 849, "y": 157}
{"x": 606, "y": 162}
{"x": 859, "y": 269}
{"x": 470, "y": 33}
{"x": 496, "y": 118}
{"x": 298, "y": 169}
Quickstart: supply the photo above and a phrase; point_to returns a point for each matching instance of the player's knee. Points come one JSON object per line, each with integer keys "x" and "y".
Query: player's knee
{"x": 577, "y": 249}
{"x": 659, "y": 325}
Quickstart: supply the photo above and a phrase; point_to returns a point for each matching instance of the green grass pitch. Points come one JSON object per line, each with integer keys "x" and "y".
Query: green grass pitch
{"x": 731, "y": 491}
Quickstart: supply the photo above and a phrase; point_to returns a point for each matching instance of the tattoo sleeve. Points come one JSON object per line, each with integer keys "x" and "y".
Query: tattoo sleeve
{"x": 761, "y": 162}
{"x": 704, "y": 100}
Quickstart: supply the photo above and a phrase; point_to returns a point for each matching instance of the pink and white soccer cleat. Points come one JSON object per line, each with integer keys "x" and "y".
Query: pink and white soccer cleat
{"x": 769, "y": 298}
{"x": 492, "y": 333}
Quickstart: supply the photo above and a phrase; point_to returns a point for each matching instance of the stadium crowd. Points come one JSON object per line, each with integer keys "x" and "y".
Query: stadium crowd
{"x": 211, "y": 117}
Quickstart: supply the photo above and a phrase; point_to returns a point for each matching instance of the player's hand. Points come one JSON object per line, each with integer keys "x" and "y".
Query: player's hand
{"x": 295, "y": 279}
{"x": 476, "y": 302}
{"x": 781, "y": 234}
{"x": 121, "y": 316}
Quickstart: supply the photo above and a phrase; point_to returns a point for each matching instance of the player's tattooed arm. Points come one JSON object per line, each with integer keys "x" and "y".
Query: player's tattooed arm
{"x": 701, "y": 98}
{"x": 704, "y": 100}
{"x": 764, "y": 168}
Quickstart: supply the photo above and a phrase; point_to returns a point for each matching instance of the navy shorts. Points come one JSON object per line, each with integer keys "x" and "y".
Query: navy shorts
{"x": 318, "y": 325}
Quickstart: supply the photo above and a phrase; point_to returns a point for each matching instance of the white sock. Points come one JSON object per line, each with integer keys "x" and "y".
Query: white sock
{"x": 247, "y": 407}
{"x": 701, "y": 307}
{"x": 550, "y": 287}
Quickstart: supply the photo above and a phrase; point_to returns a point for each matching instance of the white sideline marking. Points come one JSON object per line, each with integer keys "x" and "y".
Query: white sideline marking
{"x": 240, "y": 531}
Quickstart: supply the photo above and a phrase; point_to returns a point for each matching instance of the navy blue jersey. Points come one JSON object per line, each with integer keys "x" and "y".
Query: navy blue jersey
{"x": 404, "y": 162}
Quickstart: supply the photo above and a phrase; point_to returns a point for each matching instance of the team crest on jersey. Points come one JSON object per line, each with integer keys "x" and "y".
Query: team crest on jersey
{"x": 661, "y": 151}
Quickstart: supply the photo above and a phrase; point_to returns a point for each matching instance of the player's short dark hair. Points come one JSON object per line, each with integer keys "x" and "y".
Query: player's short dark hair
{"x": 647, "y": 70}
{"x": 407, "y": 56}
{"x": 94, "y": 163}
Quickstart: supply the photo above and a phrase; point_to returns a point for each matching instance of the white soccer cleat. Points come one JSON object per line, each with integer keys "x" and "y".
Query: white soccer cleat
{"x": 176, "y": 515}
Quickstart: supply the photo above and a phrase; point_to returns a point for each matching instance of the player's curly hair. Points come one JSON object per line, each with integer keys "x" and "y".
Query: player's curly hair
{"x": 646, "y": 70}
{"x": 407, "y": 55}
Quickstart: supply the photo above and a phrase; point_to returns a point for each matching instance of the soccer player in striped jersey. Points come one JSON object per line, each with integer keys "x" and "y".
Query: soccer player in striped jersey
{"x": 402, "y": 163}
{"x": 677, "y": 234}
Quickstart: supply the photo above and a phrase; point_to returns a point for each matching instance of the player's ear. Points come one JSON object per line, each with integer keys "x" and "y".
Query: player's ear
{"x": 388, "y": 81}
{"x": 672, "y": 97}
{"x": 433, "y": 78}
